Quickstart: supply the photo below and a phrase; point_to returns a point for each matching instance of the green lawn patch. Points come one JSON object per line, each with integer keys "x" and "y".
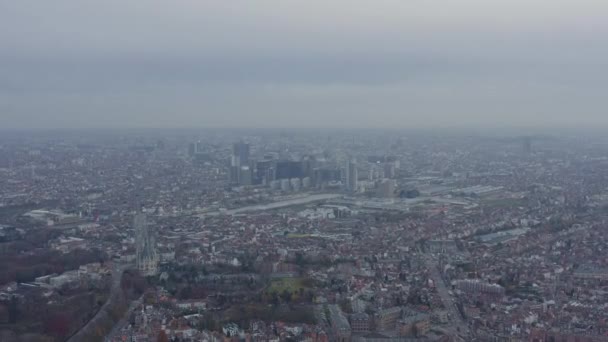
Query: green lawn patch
{"x": 292, "y": 285}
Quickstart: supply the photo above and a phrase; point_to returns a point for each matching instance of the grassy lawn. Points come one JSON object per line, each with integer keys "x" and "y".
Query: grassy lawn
{"x": 281, "y": 284}
{"x": 504, "y": 203}
{"x": 298, "y": 236}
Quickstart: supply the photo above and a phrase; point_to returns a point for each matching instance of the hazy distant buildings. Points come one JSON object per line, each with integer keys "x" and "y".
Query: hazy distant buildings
{"x": 527, "y": 145}
{"x": 288, "y": 169}
{"x": 321, "y": 176}
{"x": 273, "y": 172}
{"x": 198, "y": 152}
{"x": 240, "y": 151}
{"x": 191, "y": 149}
{"x": 246, "y": 176}
{"x": 296, "y": 184}
{"x": 389, "y": 170}
{"x": 264, "y": 171}
{"x": 285, "y": 184}
{"x": 386, "y": 188}
{"x": 198, "y": 147}
{"x": 195, "y": 148}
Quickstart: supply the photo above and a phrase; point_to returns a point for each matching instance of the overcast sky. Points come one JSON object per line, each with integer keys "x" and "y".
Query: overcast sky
{"x": 283, "y": 63}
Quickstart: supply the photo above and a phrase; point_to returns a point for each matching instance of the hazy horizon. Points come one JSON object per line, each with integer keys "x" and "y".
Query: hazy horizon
{"x": 278, "y": 64}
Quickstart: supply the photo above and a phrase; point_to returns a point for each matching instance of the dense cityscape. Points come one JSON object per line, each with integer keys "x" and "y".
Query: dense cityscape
{"x": 303, "y": 235}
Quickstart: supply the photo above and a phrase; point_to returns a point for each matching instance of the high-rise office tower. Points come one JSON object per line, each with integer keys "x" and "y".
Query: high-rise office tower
{"x": 145, "y": 241}
{"x": 389, "y": 170}
{"x": 245, "y": 176}
{"x": 196, "y": 148}
{"x": 199, "y": 147}
{"x": 351, "y": 175}
{"x": 288, "y": 169}
{"x": 241, "y": 151}
{"x": 235, "y": 171}
{"x": 191, "y": 149}
{"x": 263, "y": 172}
{"x": 321, "y": 176}
{"x": 527, "y": 143}
{"x": 308, "y": 165}
{"x": 239, "y": 159}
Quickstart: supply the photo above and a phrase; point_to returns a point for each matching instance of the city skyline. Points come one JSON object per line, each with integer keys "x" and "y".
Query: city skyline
{"x": 347, "y": 235}
{"x": 319, "y": 171}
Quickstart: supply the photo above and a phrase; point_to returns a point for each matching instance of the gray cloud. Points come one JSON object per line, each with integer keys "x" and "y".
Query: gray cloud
{"x": 279, "y": 63}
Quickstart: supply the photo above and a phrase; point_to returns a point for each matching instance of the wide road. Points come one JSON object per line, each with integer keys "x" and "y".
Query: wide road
{"x": 458, "y": 326}
{"x": 114, "y": 334}
{"x": 117, "y": 270}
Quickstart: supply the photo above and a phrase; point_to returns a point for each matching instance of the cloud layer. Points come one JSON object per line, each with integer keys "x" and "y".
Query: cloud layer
{"x": 277, "y": 63}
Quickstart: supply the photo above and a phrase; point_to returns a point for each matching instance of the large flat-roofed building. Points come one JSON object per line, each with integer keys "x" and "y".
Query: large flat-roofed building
{"x": 442, "y": 246}
{"x": 387, "y": 318}
{"x": 414, "y": 325}
{"x": 591, "y": 272}
{"x": 479, "y": 287}
{"x": 360, "y": 323}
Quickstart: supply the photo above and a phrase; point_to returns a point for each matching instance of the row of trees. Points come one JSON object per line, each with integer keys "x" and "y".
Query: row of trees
{"x": 132, "y": 286}
{"x": 27, "y": 267}
{"x": 275, "y": 298}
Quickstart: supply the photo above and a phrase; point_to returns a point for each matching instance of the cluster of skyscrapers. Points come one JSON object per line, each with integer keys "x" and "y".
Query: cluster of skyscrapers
{"x": 280, "y": 173}
{"x": 288, "y": 175}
